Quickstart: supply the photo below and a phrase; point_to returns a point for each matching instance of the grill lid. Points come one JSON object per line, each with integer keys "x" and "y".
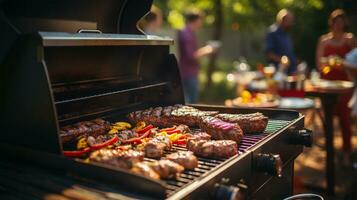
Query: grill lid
{"x": 18, "y": 17}
{"x": 51, "y": 75}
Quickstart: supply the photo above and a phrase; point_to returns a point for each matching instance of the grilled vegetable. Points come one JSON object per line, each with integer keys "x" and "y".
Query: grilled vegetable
{"x": 168, "y": 129}
{"x": 139, "y": 126}
{"x": 105, "y": 144}
{"x": 113, "y": 131}
{"x": 148, "y": 127}
{"x": 82, "y": 143}
{"x": 78, "y": 153}
{"x": 122, "y": 126}
{"x": 173, "y": 131}
{"x": 137, "y": 140}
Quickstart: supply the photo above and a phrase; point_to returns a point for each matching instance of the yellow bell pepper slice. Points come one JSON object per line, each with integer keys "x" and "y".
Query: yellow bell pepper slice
{"x": 113, "y": 131}
{"x": 139, "y": 126}
{"x": 174, "y": 137}
{"x": 121, "y": 126}
{"x": 82, "y": 143}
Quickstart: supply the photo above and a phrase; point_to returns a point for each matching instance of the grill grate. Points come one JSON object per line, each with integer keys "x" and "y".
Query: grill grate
{"x": 206, "y": 165}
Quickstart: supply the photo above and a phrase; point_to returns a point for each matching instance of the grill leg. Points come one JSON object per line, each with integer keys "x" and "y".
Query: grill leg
{"x": 328, "y": 103}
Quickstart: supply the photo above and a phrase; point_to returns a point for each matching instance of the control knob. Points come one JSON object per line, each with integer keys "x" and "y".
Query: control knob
{"x": 269, "y": 163}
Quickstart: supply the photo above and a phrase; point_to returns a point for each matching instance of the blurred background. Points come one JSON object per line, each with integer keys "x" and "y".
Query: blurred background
{"x": 241, "y": 26}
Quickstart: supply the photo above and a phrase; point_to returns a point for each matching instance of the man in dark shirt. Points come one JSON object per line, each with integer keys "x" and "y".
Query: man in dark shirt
{"x": 189, "y": 54}
{"x": 278, "y": 42}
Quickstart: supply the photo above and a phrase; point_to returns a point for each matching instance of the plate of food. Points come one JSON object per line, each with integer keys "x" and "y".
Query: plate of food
{"x": 254, "y": 100}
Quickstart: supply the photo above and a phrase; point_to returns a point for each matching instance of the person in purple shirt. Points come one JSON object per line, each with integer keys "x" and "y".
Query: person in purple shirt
{"x": 278, "y": 43}
{"x": 189, "y": 54}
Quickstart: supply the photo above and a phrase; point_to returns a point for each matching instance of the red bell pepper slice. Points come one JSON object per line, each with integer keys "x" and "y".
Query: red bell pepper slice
{"x": 180, "y": 142}
{"x": 78, "y": 153}
{"x": 173, "y": 131}
{"x": 168, "y": 129}
{"x": 148, "y": 127}
{"x": 106, "y": 143}
{"x": 137, "y": 139}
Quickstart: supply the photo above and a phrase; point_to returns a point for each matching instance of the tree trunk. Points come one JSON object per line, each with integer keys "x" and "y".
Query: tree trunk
{"x": 217, "y": 35}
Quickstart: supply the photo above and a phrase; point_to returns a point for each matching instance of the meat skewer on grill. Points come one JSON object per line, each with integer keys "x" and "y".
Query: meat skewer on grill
{"x": 166, "y": 168}
{"x": 189, "y": 115}
{"x": 220, "y": 130}
{"x": 184, "y": 158}
{"x": 86, "y": 128}
{"x": 117, "y": 158}
{"x": 156, "y": 146}
{"x": 249, "y": 123}
{"x": 197, "y": 137}
{"x": 170, "y": 115}
{"x": 213, "y": 148}
{"x": 144, "y": 169}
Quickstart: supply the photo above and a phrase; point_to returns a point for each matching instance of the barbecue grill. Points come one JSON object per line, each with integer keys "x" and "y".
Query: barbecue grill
{"x": 68, "y": 61}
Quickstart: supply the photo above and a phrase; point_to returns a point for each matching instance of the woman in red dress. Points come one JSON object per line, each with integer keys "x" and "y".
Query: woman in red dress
{"x": 331, "y": 49}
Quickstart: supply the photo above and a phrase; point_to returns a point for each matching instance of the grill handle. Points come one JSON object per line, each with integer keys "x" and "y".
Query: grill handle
{"x": 302, "y": 137}
{"x": 229, "y": 192}
{"x": 89, "y": 31}
{"x": 268, "y": 163}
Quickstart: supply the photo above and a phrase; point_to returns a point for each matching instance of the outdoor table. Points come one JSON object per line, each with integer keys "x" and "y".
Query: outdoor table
{"x": 328, "y": 97}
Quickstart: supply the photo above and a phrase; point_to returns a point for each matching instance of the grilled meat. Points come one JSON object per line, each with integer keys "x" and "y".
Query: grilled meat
{"x": 196, "y": 137}
{"x": 98, "y": 140}
{"x": 144, "y": 169}
{"x": 86, "y": 128}
{"x": 200, "y": 136}
{"x": 184, "y": 158}
{"x": 213, "y": 148}
{"x": 249, "y": 123}
{"x": 220, "y": 130}
{"x": 183, "y": 128}
{"x": 117, "y": 158}
{"x": 166, "y": 168}
{"x": 170, "y": 115}
{"x": 156, "y": 146}
{"x": 189, "y": 115}
{"x": 127, "y": 134}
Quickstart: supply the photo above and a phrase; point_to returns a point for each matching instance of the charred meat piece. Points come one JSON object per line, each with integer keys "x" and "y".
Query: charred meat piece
{"x": 184, "y": 158}
{"x": 249, "y": 123}
{"x": 170, "y": 115}
{"x": 134, "y": 117}
{"x": 197, "y": 137}
{"x": 183, "y": 128}
{"x": 81, "y": 129}
{"x": 166, "y": 168}
{"x": 220, "y": 130}
{"x": 189, "y": 116}
{"x": 156, "y": 146}
{"x": 127, "y": 134}
{"x": 213, "y": 148}
{"x": 200, "y": 136}
{"x": 91, "y": 140}
{"x": 144, "y": 169}
{"x": 117, "y": 158}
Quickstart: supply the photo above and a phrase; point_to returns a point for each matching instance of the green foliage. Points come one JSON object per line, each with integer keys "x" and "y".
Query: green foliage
{"x": 310, "y": 23}
{"x": 310, "y": 17}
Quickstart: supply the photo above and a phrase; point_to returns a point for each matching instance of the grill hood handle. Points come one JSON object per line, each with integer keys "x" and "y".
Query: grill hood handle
{"x": 89, "y": 31}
